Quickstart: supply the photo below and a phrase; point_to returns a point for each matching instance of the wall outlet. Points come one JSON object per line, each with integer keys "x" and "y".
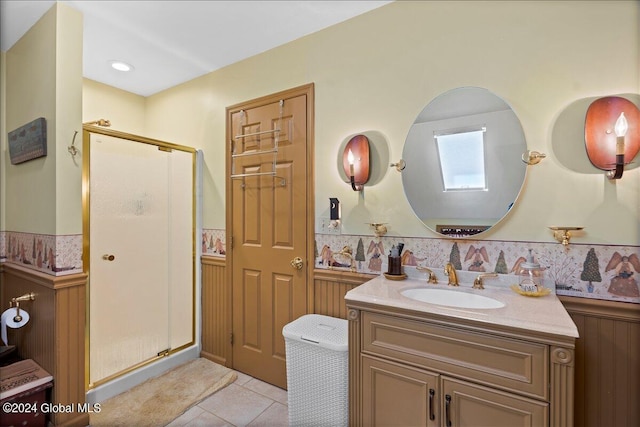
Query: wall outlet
{"x": 329, "y": 226}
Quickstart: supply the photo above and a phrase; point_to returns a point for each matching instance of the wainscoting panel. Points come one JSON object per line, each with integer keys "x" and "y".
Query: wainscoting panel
{"x": 55, "y": 335}
{"x": 329, "y": 289}
{"x": 216, "y": 311}
{"x": 607, "y": 382}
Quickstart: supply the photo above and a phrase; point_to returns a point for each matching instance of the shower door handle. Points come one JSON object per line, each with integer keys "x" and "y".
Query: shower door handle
{"x": 297, "y": 263}
{"x": 108, "y": 257}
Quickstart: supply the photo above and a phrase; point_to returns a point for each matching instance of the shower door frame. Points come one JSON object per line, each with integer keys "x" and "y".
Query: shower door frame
{"x": 87, "y": 130}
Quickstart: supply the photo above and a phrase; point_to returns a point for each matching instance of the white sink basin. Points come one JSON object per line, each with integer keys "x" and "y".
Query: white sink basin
{"x": 451, "y": 298}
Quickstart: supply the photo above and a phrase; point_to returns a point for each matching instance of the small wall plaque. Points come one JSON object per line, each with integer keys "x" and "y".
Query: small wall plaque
{"x": 28, "y": 142}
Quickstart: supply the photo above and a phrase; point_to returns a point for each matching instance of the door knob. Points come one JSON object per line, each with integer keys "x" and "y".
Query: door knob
{"x": 297, "y": 263}
{"x": 108, "y": 257}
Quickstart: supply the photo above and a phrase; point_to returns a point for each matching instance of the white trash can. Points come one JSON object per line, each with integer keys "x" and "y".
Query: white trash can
{"x": 317, "y": 351}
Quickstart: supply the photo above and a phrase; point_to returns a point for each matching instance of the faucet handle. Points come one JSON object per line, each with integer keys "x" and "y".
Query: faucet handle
{"x": 432, "y": 277}
{"x": 477, "y": 282}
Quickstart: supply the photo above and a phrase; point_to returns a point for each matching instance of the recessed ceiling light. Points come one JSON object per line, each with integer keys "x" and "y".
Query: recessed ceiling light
{"x": 121, "y": 66}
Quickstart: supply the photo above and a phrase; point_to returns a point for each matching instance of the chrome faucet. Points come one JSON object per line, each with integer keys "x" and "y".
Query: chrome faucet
{"x": 451, "y": 273}
{"x": 432, "y": 277}
{"x": 477, "y": 283}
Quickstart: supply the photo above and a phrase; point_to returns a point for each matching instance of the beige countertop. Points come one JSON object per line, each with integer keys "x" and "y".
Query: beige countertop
{"x": 544, "y": 314}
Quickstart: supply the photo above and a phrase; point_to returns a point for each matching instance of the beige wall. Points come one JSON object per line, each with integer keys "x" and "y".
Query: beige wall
{"x": 377, "y": 71}
{"x": 44, "y": 71}
{"x": 125, "y": 110}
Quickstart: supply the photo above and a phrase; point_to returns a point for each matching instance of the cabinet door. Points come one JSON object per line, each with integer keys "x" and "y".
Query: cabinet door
{"x": 465, "y": 404}
{"x": 395, "y": 395}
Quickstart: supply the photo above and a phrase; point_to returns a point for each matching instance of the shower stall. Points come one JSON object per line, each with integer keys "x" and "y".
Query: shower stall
{"x": 139, "y": 216}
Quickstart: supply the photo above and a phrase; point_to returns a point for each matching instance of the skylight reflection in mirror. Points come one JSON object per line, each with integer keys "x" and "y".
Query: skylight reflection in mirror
{"x": 461, "y": 157}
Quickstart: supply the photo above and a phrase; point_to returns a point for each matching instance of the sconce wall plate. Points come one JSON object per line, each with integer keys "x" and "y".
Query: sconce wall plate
{"x": 600, "y": 136}
{"x": 357, "y": 170}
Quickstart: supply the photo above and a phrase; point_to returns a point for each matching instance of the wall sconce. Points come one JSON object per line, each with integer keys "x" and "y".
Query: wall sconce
{"x": 563, "y": 234}
{"x": 355, "y": 160}
{"x": 612, "y": 134}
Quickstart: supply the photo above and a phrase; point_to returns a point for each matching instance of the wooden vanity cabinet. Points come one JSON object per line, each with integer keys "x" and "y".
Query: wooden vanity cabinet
{"x": 411, "y": 371}
{"x": 397, "y": 395}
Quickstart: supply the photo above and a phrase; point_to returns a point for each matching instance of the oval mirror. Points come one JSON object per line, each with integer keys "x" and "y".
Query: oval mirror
{"x": 464, "y": 167}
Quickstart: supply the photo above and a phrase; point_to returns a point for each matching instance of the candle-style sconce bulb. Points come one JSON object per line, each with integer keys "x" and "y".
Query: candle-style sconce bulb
{"x": 620, "y": 129}
{"x": 352, "y": 178}
{"x": 621, "y": 126}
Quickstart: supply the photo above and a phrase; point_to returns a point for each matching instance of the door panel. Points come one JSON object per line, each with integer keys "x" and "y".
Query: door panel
{"x": 396, "y": 395}
{"x": 269, "y": 229}
{"x": 472, "y": 405}
{"x": 283, "y": 312}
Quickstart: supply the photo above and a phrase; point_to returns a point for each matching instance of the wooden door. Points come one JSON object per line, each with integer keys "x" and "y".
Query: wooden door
{"x": 269, "y": 223}
{"x": 395, "y": 395}
{"x": 469, "y": 405}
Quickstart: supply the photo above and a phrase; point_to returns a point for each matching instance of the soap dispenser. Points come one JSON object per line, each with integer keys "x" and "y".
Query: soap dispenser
{"x": 395, "y": 261}
{"x": 531, "y": 275}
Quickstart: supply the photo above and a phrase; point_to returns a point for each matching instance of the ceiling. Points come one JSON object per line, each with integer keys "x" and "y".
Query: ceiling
{"x": 171, "y": 42}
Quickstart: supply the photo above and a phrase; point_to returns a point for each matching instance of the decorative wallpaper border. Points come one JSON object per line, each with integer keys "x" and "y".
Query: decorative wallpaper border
{"x": 213, "y": 242}
{"x": 56, "y": 255}
{"x": 607, "y": 272}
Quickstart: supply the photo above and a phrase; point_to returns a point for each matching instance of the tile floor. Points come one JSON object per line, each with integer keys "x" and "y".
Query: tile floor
{"x": 245, "y": 402}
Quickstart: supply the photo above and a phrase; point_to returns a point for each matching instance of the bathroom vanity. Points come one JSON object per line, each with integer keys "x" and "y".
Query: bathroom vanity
{"x": 415, "y": 363}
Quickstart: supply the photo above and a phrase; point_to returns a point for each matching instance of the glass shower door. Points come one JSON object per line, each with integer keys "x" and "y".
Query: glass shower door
{"x": 130, "y": 223}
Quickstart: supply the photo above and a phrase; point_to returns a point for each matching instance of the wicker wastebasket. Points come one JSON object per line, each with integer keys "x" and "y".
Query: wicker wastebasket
{"x": 317, "y": 371}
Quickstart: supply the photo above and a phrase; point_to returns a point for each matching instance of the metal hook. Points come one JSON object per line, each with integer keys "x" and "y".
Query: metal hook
{"x": 72, "y": 148}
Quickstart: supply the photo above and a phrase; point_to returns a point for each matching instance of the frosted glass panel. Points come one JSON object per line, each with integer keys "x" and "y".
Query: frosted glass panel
{"x": 181, "y": 249}
{"x": 141, "y": 302}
